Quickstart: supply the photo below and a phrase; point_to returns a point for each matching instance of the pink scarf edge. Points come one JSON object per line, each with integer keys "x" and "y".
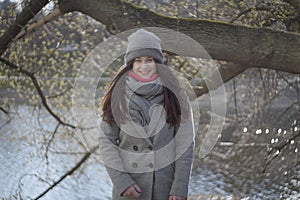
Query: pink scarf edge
{"x": 138, "y": 78}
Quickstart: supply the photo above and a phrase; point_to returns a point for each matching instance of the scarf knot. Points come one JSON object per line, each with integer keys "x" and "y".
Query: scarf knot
{"x": 142, "y": 97}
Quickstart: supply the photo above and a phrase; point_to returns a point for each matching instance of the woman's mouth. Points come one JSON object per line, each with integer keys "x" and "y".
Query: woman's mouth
{"x": 144, "y": 72}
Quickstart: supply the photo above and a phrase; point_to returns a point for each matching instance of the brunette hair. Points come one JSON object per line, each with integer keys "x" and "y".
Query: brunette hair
{"x": 172, "y": 102}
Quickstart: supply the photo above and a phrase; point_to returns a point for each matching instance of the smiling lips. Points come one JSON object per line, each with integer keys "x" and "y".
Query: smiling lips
{"x": 145, "y": 72}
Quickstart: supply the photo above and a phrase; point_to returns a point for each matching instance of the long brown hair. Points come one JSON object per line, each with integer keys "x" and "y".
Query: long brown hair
{"x": 170, "y": 85}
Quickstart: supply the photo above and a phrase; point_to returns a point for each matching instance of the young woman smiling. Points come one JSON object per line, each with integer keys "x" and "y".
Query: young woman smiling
{"x": 147, "y": 136}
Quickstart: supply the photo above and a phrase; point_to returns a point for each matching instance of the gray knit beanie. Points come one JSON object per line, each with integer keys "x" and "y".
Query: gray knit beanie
{"x": 143, "y": 43}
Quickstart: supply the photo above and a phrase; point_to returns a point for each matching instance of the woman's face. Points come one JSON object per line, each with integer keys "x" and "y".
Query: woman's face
{"x": 144, "y": 66}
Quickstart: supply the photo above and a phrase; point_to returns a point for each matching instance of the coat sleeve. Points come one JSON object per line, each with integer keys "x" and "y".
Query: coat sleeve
{"x": 184, "y": 140}
{"x": 109, "y": 152}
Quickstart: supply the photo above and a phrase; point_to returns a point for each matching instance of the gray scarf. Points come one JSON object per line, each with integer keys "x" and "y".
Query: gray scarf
{"x": 145, "y": 104}
{"x": 142, "y": 98}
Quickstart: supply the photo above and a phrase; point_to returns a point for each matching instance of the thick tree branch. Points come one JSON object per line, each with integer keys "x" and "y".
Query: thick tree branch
{"x": 22, "y": 19}
{"x": 70, "y": 172}
{"x": 246, "y": 46}
{"x": 227, "y": 72}
{"x": 33, "y": 27}
{"x": 38, "y": 88}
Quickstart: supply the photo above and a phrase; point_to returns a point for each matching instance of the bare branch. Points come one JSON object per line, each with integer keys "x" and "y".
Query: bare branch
{"x": 276, "y": 151}
{"x": 290, "y": 107}
{"x": 3, "y": 110}
{"x": 50, "y": 140}
{"x": 70, "y": 172}
{"x": 39, "y": 90}
{"x": 235, "y": 100}
{"x": 60, "y": 94}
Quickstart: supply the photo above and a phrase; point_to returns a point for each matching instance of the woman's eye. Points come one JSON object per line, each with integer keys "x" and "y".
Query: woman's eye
{"x": 149, "y": 60}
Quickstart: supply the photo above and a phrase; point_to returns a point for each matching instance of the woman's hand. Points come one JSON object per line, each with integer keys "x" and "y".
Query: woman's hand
{"x": 173, "y": 197}
{"x": 133, "y": 191}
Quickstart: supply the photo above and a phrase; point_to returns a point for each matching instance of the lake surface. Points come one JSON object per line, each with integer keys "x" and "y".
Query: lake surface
{"x": 26, "y": 170}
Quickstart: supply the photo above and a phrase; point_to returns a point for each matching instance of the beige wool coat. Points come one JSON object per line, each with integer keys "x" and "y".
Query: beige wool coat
{"x": 160, "y": 164}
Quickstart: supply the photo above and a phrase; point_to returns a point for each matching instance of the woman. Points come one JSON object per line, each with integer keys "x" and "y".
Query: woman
{"x": 147, "y": 136}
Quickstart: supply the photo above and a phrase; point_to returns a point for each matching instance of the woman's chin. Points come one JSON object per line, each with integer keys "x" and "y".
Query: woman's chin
{"x": 147, "y": 76}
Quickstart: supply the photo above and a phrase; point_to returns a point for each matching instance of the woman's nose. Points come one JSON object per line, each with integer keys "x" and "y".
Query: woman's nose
{"x": 144, "y": 63}
{"x": 143, "y": 66}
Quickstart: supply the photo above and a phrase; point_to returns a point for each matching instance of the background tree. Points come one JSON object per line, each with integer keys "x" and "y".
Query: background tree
{"x": 254, "y": 42}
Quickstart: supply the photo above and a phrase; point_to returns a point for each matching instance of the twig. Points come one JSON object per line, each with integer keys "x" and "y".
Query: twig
{"x": 286, "y": 110}
{"x": 278, "y": 150}
{"x": 70, "y": 172}
{"x": 60, "y": 94}
{"x": 235, "y": 99}
{"x": 3, "y": 110}
{"x": 50, "y": 140}
{"x": 263, "y": 83}
{"x": 286, "y": 80}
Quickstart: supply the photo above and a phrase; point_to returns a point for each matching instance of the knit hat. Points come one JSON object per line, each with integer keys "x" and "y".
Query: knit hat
{"x": 143, "y": 43}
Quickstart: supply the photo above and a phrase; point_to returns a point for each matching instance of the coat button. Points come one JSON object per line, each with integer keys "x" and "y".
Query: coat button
{"x": 151, "y": 165}
{"x": 150, "y": 147}
{"x": 134, "y": 165}
{"x": 135, "y": 148}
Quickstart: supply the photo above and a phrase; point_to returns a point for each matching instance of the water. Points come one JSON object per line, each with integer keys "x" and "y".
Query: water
{"x": 25, "y": 172}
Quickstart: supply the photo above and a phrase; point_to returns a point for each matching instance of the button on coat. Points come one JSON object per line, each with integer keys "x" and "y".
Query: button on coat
{"x": 136, "y": 148}
{"x": 134, "y": 165}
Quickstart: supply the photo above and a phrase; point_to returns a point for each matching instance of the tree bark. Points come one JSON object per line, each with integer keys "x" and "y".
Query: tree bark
{"x": 35, "y": 26}
{"x": 246, "y": 46}
{"x": 227, "y": 72}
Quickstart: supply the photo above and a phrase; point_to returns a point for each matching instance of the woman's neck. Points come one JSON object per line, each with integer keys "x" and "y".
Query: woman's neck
{"x": 138, "y": 78}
